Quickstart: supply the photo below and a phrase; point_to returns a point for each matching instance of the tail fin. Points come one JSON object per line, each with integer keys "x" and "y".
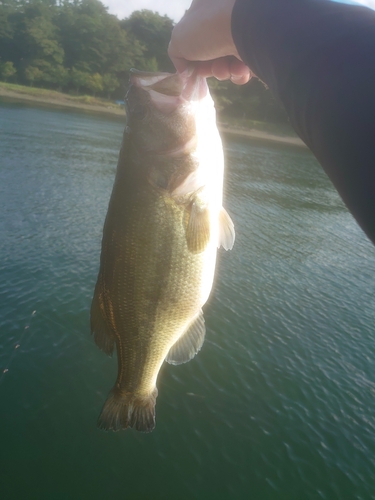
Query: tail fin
{"x": 124, "y": 409}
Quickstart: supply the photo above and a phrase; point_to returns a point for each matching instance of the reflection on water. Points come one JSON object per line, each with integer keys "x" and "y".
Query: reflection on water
{"x": 279, "y": 404}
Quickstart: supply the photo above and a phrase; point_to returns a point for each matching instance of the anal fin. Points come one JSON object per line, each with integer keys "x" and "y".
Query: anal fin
{"x": 189, "y": 344}
{"x": 103, "y": 336}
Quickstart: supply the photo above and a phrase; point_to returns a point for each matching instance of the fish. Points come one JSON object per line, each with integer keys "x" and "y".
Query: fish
{"x": 164, "y": 224}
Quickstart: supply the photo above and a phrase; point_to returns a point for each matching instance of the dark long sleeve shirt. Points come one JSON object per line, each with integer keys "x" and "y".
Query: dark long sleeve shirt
{"x": 318, "y": 57}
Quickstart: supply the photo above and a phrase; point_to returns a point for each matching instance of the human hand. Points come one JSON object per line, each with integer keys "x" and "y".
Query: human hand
{"x": 204, "y": 37}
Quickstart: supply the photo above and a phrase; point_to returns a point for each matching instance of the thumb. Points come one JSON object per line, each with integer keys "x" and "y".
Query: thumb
{"x": 179, "y": 62}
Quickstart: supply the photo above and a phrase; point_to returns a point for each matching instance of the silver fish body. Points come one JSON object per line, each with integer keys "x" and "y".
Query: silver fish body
{"x": 164, "y": 223}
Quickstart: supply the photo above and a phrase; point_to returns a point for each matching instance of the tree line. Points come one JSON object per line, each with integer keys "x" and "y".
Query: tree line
{"x": 77, "y": 46}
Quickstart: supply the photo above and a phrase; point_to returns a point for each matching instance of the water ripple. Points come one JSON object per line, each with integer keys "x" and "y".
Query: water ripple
{"x": 279, "y": 404}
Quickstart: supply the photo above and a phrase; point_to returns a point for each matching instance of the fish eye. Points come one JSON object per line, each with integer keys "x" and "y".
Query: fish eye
{"x": 139, "y": 111}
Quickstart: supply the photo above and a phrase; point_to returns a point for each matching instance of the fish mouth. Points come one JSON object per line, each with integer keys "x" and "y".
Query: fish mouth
{"x": 167, "y": 84}
{"x": 168, "y": 91}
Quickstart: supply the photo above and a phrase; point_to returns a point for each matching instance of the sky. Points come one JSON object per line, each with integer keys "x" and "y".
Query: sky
{"x": 173, "y": 8}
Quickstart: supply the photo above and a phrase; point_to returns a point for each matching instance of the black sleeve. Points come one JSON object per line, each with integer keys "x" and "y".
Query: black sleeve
{"x": 318, "y": 57}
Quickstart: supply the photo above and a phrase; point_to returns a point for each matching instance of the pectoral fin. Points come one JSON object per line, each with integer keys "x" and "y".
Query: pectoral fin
{"x": 226, "y": 230}
{"x": 198, "y": 228}
{"x": 189, "y": 344}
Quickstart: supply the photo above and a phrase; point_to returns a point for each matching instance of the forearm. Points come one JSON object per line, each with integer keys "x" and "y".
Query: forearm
{"x": 318, "y": 57}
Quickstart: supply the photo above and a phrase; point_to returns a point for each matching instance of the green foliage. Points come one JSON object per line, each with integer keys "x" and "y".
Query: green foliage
{"x": 93, "y": 40}
{"x": 33, "y": 74}
{"x": 5, "y": 26}
{"x": 221, "y": 91}
{"x": 95, "y": 83}
{"x": 57, "y": 75}
{"x": 41, "y": 38}
{"x": 53, "y": 38}
{"x": 77, "y": 45}
{"x": 154, "y": 32}
{"x": 79, "y": 78}
{"x": 7, "y": 70}
{"x": 110, "y": 83}
{"x": 253, "y": 101}
{"x": 148, "y": 64}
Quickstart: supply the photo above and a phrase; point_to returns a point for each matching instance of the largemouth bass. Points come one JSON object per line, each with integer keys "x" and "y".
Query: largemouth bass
{"x": 164, "y": 224}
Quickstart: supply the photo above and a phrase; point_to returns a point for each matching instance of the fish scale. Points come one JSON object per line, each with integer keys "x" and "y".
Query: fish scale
{"x": 158, "y": 247}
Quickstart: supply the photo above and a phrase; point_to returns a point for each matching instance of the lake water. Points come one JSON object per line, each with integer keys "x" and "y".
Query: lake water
{"x": 280, "y": 402}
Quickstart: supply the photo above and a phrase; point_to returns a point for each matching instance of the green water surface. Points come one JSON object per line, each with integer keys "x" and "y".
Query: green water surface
{"x": 280, "y": 402}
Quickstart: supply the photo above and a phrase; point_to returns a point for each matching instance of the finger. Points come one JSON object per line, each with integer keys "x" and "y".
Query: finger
{"x": 240, "y": 73}
{"x": 204, "y": 68}
{"x": 220, "y": 68}
{"x": 240, "y": 80}
{"x": 180, "y": 64}
{"x": 174, "y": 55}
{"x": 237, "y": 67}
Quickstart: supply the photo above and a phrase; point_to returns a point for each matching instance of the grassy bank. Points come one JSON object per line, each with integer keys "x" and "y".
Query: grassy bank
{"x": 52, "y": 98}
{"x": 282, "y": 129}
{"x": 58, "y": 96}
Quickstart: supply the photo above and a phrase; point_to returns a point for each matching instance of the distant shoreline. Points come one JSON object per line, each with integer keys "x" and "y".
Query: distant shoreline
{"x": 11, "y": 95}
{"x": 61, "y": 103}
{"x": 264, "y": 136}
